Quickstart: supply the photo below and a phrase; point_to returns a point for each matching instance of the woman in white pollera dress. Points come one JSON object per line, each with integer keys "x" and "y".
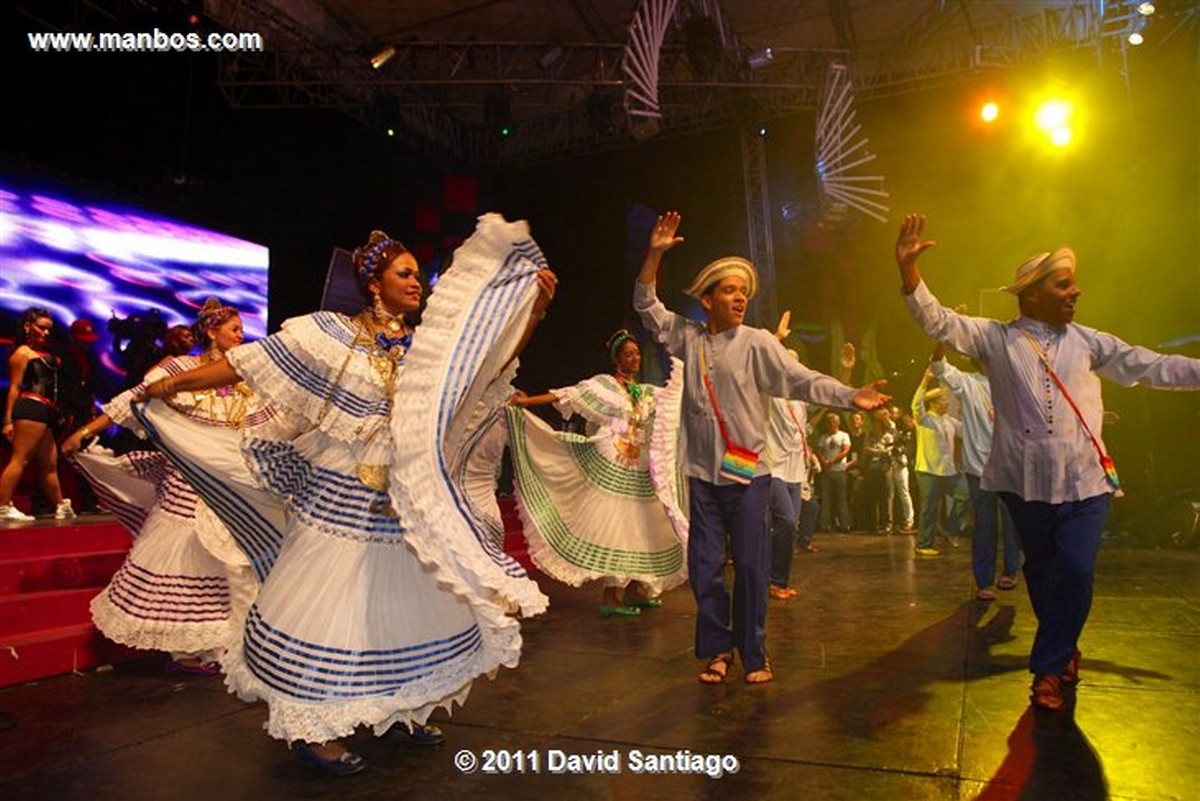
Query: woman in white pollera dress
{"x": 606, "y": 506}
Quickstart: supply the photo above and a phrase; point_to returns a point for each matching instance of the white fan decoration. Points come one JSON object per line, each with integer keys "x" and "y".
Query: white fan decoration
{"x": 841, "y": 150}
{"x": 640, "y": 63}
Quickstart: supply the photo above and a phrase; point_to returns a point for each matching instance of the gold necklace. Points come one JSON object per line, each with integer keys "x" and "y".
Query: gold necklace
{"x": 392, "y": 323}
{"x": 384, "y": 348}
{"x": 384, "y": 352}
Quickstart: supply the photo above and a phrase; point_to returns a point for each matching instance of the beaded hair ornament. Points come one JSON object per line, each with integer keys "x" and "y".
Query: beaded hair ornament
{"x": 379, "y": 250}
{"x": 619, "y": 337}
{"x": 212, "y": 315}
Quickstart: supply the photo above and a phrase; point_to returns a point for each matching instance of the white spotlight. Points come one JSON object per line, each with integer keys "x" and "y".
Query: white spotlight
{"x": 1145, "y": 9}
{"x": 760, "y": 58}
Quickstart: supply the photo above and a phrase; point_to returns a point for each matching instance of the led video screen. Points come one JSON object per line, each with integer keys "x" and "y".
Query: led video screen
{"x": 130, "y": 271}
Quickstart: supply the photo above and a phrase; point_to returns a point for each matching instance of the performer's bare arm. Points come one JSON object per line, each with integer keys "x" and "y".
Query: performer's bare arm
{"x": 662, "y": 239}
{"x": 525, "y": 401}
{"x": 94, "y": 426}
{"x": 547, "y": 285}
{"x": 210, "y": 376}
{"x": 909, "y": 247}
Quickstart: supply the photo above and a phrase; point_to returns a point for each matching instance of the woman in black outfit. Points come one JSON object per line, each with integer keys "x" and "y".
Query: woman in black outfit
{"x": 29, "y": 415}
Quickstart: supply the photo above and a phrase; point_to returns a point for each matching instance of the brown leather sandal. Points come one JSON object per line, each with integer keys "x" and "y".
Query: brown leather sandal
{"x": 764, "y": 675}
{"x": 1070, "y": 674}
{"x": 717, "y": 670}
{"x": 1047, "y": 693}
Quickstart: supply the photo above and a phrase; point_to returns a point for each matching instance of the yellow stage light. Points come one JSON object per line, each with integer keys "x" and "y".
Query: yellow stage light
{"x": 1053, "y": 114}
{"x": 989, "y": 112}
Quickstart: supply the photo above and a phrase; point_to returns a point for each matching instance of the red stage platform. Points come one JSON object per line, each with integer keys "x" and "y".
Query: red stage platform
{"x": 49, "y": 572}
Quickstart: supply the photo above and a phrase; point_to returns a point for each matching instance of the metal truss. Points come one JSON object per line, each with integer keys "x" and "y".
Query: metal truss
{"x": 441, "y": 88}
{"x": 758, "y": 224}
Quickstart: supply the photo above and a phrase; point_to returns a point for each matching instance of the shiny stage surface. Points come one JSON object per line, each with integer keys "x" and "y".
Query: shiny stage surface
{"x": 891, "y": 683}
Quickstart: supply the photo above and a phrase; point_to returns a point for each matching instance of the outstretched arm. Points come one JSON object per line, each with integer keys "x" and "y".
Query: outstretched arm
{"x": 974, "y": 336}
{"x": 72, "y": 443}
{"x": 525, "y": 401}
{"x": 779, "y": 375}
{"x": 662, "y": 239}
{"x": 547, "y": 285}
{"x": 1129, "y": 365}
{"x": 909, "y": 247}
{"x": 214, "y": 374}
{"x": 666, "y": 326}
{"x": 871, "y": 396}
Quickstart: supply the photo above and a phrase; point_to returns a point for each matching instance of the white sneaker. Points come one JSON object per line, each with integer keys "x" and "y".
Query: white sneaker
{"x": 64, "y": 511}
{"x": 13, "y": 514}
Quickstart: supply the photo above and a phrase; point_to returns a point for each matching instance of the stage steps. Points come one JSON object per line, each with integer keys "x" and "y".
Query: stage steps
{"x": 514, "y": 538}
{"x": 49, "y": 573}
{"x": 51, "y": 570}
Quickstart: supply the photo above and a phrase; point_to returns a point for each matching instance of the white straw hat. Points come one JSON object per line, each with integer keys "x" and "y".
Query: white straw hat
{"x": 721, "y": 269}
{"x": 1035, "y": 268}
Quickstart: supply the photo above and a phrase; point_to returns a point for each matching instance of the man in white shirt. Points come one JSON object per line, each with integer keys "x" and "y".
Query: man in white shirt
{"x": 1047, "y": 462}
{"x": 833, "y": 451}
{"x": 787, "y": 459}
{"x": 730, "y": 370}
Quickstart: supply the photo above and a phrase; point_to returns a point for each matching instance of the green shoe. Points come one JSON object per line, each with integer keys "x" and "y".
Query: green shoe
{"x": 607, "y": 611}
{"x": 644, "y": 603}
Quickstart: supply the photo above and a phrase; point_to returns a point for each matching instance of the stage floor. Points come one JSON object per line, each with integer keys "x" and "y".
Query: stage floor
{"x": 891, "y": 683}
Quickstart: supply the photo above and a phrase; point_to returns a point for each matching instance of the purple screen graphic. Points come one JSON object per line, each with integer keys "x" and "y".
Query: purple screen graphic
{"x": 81, "y": 258}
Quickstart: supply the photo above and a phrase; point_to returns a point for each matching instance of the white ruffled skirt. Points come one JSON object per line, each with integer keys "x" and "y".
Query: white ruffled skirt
{"x": 586, "y": 515}
{"x": 349, "y": 628}
{"x": 171, "y": 593}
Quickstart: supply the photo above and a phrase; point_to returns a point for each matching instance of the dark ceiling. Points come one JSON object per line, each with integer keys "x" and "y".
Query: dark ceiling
{"x": 458, "y": 70}
{"x": 560, "y": 68}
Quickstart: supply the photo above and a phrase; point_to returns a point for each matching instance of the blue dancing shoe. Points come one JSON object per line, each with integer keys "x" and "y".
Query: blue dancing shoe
{"x": 347, "y": 764}
{"x": 202, "y": 669}
{"x": 421, "y": 734}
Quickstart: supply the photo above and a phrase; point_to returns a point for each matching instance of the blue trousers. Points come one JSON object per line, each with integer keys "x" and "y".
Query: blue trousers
{"x": 785, "y": 519}
{"x": 1060, "y": 541}
{"x": 733, "y": 514}
{"x": 987, "y": 508}
{"x": 810, "y": 512}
